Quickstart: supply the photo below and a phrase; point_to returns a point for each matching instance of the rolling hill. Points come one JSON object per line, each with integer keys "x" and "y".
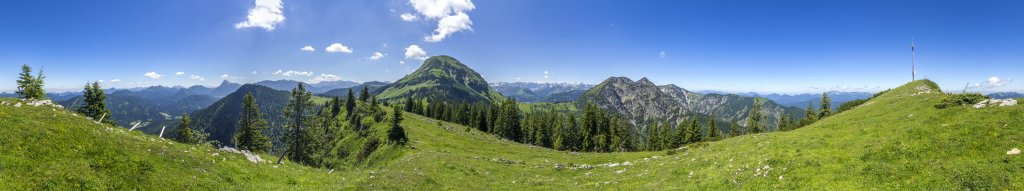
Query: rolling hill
{"x": 441, "y": 78}
{"x": 897, "y": 141}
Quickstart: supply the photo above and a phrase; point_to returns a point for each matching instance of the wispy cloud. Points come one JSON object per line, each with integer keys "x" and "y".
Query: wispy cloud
{"x": 198, "y": 78}
{"x": 324, "y": 78}
{"x": 376, "y": 56}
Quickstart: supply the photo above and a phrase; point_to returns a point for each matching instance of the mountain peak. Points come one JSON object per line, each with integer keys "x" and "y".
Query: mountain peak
{"x": 443, "y": 78}
{"x": 645, "y": 81}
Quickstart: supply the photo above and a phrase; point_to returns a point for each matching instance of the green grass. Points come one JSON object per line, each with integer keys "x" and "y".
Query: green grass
{"x": 897, "y": 141}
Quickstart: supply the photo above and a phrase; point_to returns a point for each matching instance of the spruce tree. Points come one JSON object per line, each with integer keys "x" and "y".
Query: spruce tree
{"x": 297, "y": 114}
{"x": 396, "y": 134}
{"x": 95, "y": 105}
{"x": 336, "y": 106}
{"x": 734, "y": 129}
{"x": 712, "y": 131}
{"x": 350, "y": 103}
{"x": 783, "y": 122}
{"x": 30, "y": 87}
{"x": 251, "y": 124}
{"x": 693, "y": 131}
{"x": 364, "y": 95}
{"x": 810, "y": 116}
{"x": 826, "y": 109}
{"x": 185, "y": 133}
{"x": 755, "y": 120}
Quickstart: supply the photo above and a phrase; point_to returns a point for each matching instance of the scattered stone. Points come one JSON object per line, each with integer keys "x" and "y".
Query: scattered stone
{"x": 620, "y": 171}
{"x": 1013, "y": 151}
{"x": 559, "y": 166}
{"x": 248, "y": 155}
{"x": 995, "y": 102}
{"x": 17, "y": 104}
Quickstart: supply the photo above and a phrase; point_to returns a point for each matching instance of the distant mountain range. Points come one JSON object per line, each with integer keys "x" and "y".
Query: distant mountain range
{"x": 316, "y": 88}
{"x": 441, "y": 78}
{"x": 541, "y": 92}
{"x": 151, "y": 108}
{"x": 1005, "y": 95}
{"x": 342, "y": 92}
{"x": 643, "y": 102}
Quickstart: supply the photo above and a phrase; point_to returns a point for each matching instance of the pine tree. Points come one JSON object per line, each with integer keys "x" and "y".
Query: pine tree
{"x": 653, "y": 137}
{"x": 95, "y": 103}
{"x": 734, "y": 129}
{"x": 826, "y": 109}
{"x": 185, "y": 132}
{"x": 783, "y": 124}
{"x": 712, "y": 131}
{"x": 297, "y": 114}
{"x": 364, "y": 95}
{"x": 693, "y": 132}
{"x": 810, "y": 116}
{"x": 350, "y": 103}
{"x": 30, "y": 87}
{"x": 508, "y": 124}
{"x": 397, "y": 133}
{"x": 251, "y": 124}
{"x": 336, "y": 106}
{"x": 755, "y": 120}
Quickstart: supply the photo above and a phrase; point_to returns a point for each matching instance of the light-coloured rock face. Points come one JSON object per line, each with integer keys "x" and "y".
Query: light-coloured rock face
{"x": 248, "y": 155}
{"x": 1013, "y": 151}
{"x": 995, "y": 103}
{"x": 642, "y": 100}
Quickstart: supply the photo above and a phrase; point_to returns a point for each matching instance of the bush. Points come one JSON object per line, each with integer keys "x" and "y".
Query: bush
{"x": 368, "y": 149}
{"x": 953, "y": 100}
{"x": 850, "y": 105}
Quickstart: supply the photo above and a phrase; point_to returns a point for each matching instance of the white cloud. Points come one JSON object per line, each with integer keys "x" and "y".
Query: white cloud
{"x": 115, "y": 80}
{"x": 338, "y": 47}
{"x": 376, "y": 56}
{"x": 662, "y": 54}
{"x": 993, "y": 82}
{"x": 324, "y": 78}
{"x": 448, "y": 25}
{"x": 198, "y": 78}
{"x": 254, "y": 72}
{"x": 546, "y": 76}
{"x": 225, "y": 76}
{"x": 265, "y": 14}
{"x": 451, "y": 15}
{"x": 401, "y": 62}
{"x": 308, "y": 49}
{"x": 408, "y": 17}
{"x": 441, "y": 8}
{"x": 415, "y": 52}
{"x": 291, "y": 73}
{"x": 153, "y": 75}
{"x": 179, "y": 73}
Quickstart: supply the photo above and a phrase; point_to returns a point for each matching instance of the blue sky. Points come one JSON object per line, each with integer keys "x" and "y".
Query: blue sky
{"x": 788, "y": 46}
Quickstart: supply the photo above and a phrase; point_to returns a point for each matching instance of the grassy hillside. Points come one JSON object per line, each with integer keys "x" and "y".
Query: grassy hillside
{"x": 441, "y": 78}
{"x": 896, "y": 141}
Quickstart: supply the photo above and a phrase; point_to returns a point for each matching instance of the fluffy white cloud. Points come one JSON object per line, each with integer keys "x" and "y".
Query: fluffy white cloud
{"x": 115, "y": 80}
{"x": 198, "y": 78}
{"x": 308, "y": 49}
{"x": 451, "y": 15}
{"x": 225, "y": 76}
{"x": 265, "y": 14}
{"x": 338, "y": 47}
{"x": 291, "y": 73}
{"x": 415, "y": 52}
{"x": 546, "y": 76}
{"x": 401, "y": 62}
{"x": 254, "y": 72}
{"x": 153, "y": 75}
{"x": 993, "y": 82}
{"x": 324, "y": 78}
{"x": 376, "y": 56}
{"x": 448, "y": 25}
{"x": 179, "y": 73}
{"x": 441, "y": 8}
{"x": 662, "y": 54}
{"x": 408, "y": 17}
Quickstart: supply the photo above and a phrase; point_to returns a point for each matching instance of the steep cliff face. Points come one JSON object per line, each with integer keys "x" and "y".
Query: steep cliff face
{"x": 642, "y": 101}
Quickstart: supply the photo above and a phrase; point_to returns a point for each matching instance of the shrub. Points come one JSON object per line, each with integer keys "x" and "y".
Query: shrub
{"x": 368, "y": 149}
{"x": 850, "y": 105}
{"x": 953, "y": 100}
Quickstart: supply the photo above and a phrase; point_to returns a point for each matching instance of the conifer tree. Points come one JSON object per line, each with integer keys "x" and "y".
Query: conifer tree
{"x": 755, "y": 120}
{"x": 297, "y": 114}
{"x": 734, "y": 129}
{"x": 251, "y": 124}
{"x": 364, "y": 95}
{"x": 336, "y": 106}
{"x": 350, "y": 103}
{"x": 713, "y": 132}
{"x": 826, "y": 109}
{"x": 185, "y": 132}
{"x": 783, "y": 122}
{"x": 810, "y": 116}
{"x": 693, "y": 132}
{"x": 396, "y": 134}
{"x": 30, "y": 87}
{"x": 95, "y": 105}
